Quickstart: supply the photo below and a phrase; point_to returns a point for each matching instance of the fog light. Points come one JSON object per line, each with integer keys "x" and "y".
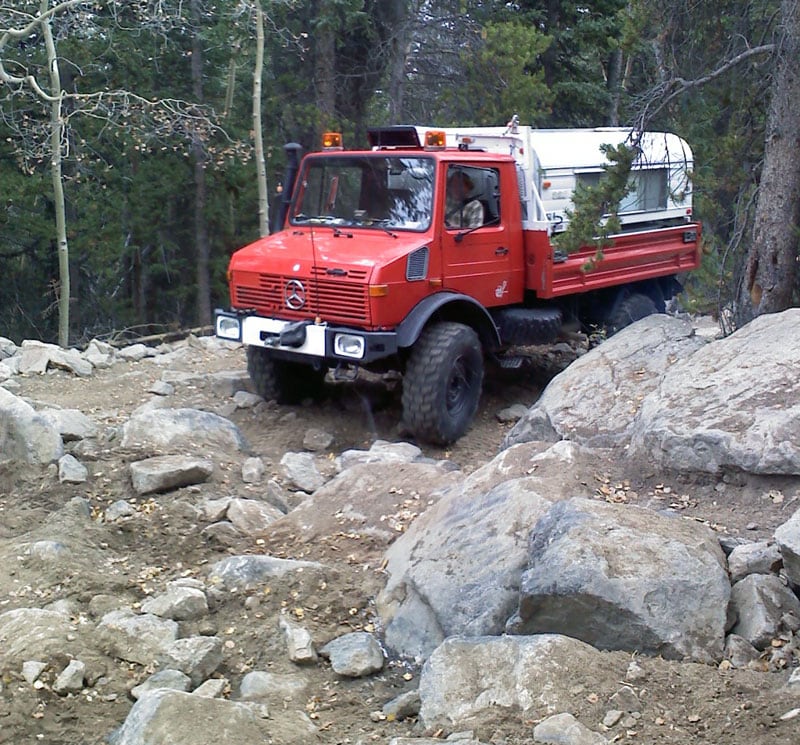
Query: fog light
{"x": 229, "y": 328}
{"x": 349, "y": 345}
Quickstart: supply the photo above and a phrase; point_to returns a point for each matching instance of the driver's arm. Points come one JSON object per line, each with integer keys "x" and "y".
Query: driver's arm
{"x": 472, "y": 214}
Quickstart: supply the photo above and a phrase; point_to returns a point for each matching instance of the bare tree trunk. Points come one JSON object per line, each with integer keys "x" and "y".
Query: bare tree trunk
{"x": 202, "y": 250}
{"x": 326, "y": 73}
{"x": 258, "y": 136}
{"x": 397, "y": 64}
{"x": 771, "y": 274}
{"x": 230, "y": 86}
{"x": 614, "y": 85}
{"x": 56, "y": 136}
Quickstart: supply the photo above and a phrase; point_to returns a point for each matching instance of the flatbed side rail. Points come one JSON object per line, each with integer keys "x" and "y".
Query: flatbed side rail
{"x": 632, "y": 257}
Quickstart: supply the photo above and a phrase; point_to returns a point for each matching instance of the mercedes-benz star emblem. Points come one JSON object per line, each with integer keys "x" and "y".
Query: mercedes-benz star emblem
{"x": 294, "y": 294}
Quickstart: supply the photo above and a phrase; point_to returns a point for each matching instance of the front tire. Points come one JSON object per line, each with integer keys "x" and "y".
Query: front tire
{"x": 283, "y": 381}
{"x": 442, "y": 382}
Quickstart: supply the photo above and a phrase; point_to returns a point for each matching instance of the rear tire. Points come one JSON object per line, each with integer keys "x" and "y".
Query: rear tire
{"x": 283, "y": 381}
{"x": 442, "y": 382}
{"x": 628, "y": 309}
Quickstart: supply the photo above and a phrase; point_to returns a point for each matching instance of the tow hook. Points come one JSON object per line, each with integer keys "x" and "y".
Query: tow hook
{"x": 345, "y": 371}
{"x": 294, "y": 335}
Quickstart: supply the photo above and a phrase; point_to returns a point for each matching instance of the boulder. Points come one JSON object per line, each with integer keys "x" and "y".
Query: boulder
{"x": 71, "y": 470}
{"x": 300, "y": 470}
{"x": 167, "y": 716}
{"x": 354, "y": 655}
{"x": 34, "y": 634}
{"x": 733, "y": 404}
{"x": 759, "y": 602}
{"x": 175, "y": 680}
{"x": 196, "y": 656}
{"x": 760, "y": 557}
{"x": 164, "y": 472}
{"x": 26, "y": 436}
{"x": 136, "y": 638}
{"x": 595, "y": 400}
{"x": 178, "y": 603}
{"x": 247, "y": 572}
{"x": 251, "y": 516}
{"x": 472, "y": 682}
{"x": 457, "y": 569}
{"x": 71, "y": 424}
{"x": 564, "y": 729}
{"x": 787, "y": 536}
{"x": 621, "y": 577}
{"x": 185, "y": 429}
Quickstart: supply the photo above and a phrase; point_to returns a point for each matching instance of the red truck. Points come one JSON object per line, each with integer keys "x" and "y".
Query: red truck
{"x": 435, "y": 249}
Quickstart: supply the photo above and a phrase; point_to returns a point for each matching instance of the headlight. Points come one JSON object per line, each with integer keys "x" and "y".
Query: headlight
{"x": 349, "y": 345}
{"x": 229, "y": 328}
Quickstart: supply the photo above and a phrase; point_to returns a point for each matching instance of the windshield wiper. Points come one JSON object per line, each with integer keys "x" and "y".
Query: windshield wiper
{"x": 379, "y": 223}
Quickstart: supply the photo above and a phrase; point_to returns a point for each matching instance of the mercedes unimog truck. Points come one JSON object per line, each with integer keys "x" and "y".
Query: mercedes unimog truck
{"x": 373, "y": 265}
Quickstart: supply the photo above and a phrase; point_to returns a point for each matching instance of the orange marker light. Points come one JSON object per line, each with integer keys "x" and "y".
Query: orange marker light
{"x": 378, "y": 290}
{"x": 332, "y": 141}
{"x": 434, "y": 139}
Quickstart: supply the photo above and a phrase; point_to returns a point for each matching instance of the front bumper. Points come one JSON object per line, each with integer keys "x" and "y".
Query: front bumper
{"x": 298, "y": 339}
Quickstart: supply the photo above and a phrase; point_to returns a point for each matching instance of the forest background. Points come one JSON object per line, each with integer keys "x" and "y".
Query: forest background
{"x": 141, "y": 117}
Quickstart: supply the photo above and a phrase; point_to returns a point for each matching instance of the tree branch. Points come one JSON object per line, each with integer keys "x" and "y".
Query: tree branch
{"x": 671, "y": 89}
{"x": 19, "y": 33}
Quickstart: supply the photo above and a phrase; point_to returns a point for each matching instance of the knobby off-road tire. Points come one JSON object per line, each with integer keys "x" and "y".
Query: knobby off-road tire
{"x": 442, "y": 382}
{"x": 628, "y": 309}
{"x": 283, "y": 381}
{"x": 522, "y": 326}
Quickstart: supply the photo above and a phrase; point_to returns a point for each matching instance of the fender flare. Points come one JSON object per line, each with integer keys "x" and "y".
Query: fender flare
{"x": 448, "y": 306}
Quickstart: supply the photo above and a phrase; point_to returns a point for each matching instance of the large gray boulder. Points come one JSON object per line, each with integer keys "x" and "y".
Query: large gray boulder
{"x": 26, "y": 436}
{"x": 625, "y": 578}
{"x": 166, "y": 716}
{"x": 35, "y": 634}
{"x": 734, "y": 403}
{"x": 184, "y": 429}
{"x": 594, "y": 401}
{"x": 469, "y": 683}
{"x": 457, "y": 569}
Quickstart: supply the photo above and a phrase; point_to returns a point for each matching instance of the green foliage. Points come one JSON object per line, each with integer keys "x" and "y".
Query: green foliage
{"x": 128, "y": 164}
{"x": 501, "y": 77}
{"x": 595, "y": 216}
{"x": 576, "y": 65}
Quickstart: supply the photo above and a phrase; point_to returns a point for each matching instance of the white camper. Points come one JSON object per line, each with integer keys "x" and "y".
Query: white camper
{"x": 552, "y": 162}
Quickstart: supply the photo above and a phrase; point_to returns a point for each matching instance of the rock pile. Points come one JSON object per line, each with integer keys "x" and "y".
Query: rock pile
{"x": 509, "y": 595}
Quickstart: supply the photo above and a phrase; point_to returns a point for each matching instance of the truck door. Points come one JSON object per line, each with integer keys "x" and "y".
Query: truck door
{"x": 476, "y": 256}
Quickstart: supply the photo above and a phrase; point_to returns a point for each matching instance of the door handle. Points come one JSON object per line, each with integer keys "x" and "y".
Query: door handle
{"x": 502, "y": 251}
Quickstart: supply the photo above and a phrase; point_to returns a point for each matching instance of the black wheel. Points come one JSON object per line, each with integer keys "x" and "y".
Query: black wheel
{"x": 627, "y": 309}
{"x": 521, "y": 326}
{"x": 442, "y": 382}
{"x": 283, "y": 381}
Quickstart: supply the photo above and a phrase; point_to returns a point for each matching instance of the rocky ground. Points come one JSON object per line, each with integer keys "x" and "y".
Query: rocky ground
{"x": 113, "y": 563}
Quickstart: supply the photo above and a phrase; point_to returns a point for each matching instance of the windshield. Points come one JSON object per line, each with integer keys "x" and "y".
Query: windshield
{"x": 380, "y": 191}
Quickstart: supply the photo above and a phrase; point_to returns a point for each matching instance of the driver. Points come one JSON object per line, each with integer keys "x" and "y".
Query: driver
{"x": 460, "y": 211}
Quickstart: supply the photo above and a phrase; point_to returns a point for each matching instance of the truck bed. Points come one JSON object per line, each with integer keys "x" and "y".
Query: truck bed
{"x": 632, "y": 257}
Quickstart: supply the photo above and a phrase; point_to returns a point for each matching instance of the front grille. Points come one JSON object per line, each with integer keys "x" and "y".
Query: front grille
{"x": 333, "y": 300}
